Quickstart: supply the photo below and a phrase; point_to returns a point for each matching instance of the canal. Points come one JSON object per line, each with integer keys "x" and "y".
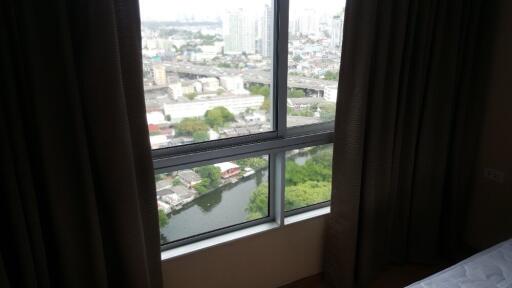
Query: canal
{"x": 218, "y": 209}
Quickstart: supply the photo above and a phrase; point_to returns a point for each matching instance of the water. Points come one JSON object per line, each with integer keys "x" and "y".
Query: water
{"x": 215, "y": 210}
{"x": 218, "y": 209}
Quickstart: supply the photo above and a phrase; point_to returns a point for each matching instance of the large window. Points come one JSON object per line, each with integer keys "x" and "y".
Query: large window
{"x": 240, "y": 100}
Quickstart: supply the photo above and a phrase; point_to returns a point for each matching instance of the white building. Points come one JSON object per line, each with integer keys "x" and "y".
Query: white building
{"x": 156, "y": 118}
{"x": 158, "y": 141}
{"x": 232, "y": 83}
{"x": 239, "y": 32}
{"x": 159, "y": 74}
{"x": 306, "y": 23}
{"x": 176, "y": 90}
{"x": 197, "y": 108}
{"x": 266, "y": 32}
{"x": 209, "y": 84}
{"x": 331, "y": 93}
{"x": 336, "y": 31}
{"x": 207, "y": 52}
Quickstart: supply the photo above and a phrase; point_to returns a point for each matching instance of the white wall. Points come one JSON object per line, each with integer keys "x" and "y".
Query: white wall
{"x": 269, "y": 259}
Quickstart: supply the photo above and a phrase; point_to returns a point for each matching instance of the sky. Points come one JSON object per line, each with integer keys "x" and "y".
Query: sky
{"x": 172, "y": 10}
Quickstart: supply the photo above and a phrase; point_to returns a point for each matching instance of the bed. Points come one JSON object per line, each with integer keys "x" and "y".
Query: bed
{"x": 489, "y": 268}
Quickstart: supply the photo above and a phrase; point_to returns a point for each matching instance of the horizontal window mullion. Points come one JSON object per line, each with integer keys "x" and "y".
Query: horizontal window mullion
{"x": 217, "y": 232}
{"x": 209, "y": 145}
{"x": 186, "y": 160}
{"x": 307, "y": 208}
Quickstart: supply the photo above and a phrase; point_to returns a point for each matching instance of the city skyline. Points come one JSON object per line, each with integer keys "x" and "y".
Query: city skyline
{"x": 187, "y": 11}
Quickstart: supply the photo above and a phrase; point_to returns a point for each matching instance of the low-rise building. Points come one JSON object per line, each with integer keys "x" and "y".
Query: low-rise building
{"x": 210, "y": 84}
{"x": 189, "y": 177}
{"x": 228, "y": 169}
{"x": 331, "y": 93}
{"x": 235, "y": 104}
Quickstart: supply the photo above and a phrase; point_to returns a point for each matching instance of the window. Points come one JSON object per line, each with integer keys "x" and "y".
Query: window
{"x": 240, "y": 100}
{"x": 308, "y": 174}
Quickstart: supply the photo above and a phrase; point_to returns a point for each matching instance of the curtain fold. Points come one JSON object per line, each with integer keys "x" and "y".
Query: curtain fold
{"x": 76, "y": 175}
{"x": 405, "y": 135}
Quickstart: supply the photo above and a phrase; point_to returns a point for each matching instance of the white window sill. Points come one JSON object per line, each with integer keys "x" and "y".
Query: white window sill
{"x": 239, "y": 234}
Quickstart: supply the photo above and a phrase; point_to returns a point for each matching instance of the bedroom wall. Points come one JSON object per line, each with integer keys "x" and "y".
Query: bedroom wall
{"x": 490, "y": 209}
{"x": 269, "y": 259}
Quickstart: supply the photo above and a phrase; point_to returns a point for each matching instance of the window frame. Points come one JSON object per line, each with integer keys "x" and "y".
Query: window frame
{"x": 272, "y": 143}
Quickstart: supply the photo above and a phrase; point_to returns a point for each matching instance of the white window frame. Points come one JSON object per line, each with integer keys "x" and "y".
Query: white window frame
{"x": 274, "y": 144}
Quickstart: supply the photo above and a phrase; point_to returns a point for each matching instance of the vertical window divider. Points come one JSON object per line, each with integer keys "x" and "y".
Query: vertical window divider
{"x": 280, "y": 65}
{"x": 277, "y": 183}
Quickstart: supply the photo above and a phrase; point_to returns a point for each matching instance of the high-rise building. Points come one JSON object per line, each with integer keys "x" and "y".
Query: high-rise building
{"x": 266, "y": 32}
{"x": 308, "y": 22}
{"x": 336, "y": 31}
{"x": 159, "y": 74}
{"x": 239, "y": 31}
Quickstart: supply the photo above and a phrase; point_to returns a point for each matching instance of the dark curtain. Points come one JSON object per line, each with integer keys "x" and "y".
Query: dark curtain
{"x": 405, "y": 134}
{"x": 77, "y": 201}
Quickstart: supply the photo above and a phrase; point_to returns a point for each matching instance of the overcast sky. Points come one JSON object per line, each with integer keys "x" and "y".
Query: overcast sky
{"x": 171, "y": 10}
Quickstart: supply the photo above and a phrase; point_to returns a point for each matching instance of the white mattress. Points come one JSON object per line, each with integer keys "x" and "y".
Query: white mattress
{"x": 489, "y": 268}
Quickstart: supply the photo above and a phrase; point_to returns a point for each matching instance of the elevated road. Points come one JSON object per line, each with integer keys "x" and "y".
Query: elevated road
{"x": 249, "y": 75}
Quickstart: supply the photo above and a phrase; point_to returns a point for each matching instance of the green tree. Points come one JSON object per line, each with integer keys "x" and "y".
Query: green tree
{"x": 327, "y": 112}
{"x": 189, "y": 126}
{"x": 176, "y": 181}
{"x": 218, "y": 116}
{"x": 258, "y": 203}
{"x": 331, "y": 75}
{"x": 210, "y": 178}
{"x": 190, "y": 96}
{"x": 296, "y": 93}
{"x": 258, "y": 89}
{"x": 255, "y": 163}
{"x": 203, "y": 186}
{"x": 200, "y": 136}
{"x": 266, "y": 104}
{"x": 307, "y": 193}
{"x": 162, "y": 218}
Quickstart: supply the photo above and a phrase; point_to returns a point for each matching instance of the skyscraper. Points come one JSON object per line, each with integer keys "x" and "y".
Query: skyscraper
{"x": 336, "y": 31}
{"x": 239, "y": 31}
{"x": 266, "y": 32}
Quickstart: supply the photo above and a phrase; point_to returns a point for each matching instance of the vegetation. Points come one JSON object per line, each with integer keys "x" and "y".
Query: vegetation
{"x": 210, "y": 178}
{"x": 264, "y": 90}
{"x": 190, "y": 96}
{"x": 259, "y": 89}
{"x": 225, "y": 65}
{"x": 301, "y": 112}
{"x": 218, "y": 116}
{"x": 266, "y": 104}
{"x": 200, "y": 136}
{"x": 189, "y": 126}
{"x": 331, "y": 75}
{"x": 296, "y": 93}
{"x": 306, "y": 193}
{"x": 328, "y": 112}
{"x": 162, "y": 218}
{"x": 176, "y": 181}
{"x": 305, "y": 184}
{"x": 255, "y": 163}
{"x": 258, "y": 204}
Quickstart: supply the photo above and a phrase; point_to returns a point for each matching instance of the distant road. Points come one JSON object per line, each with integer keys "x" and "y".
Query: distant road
{"x": 249, "y": 75}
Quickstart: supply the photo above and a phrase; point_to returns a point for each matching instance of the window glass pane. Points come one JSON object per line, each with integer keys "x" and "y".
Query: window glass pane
{"x": 308, "y": 176}
{"x": 207, "y": 69}
{"x": 314, "y": 53}
{"x": 209, "y": 197}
